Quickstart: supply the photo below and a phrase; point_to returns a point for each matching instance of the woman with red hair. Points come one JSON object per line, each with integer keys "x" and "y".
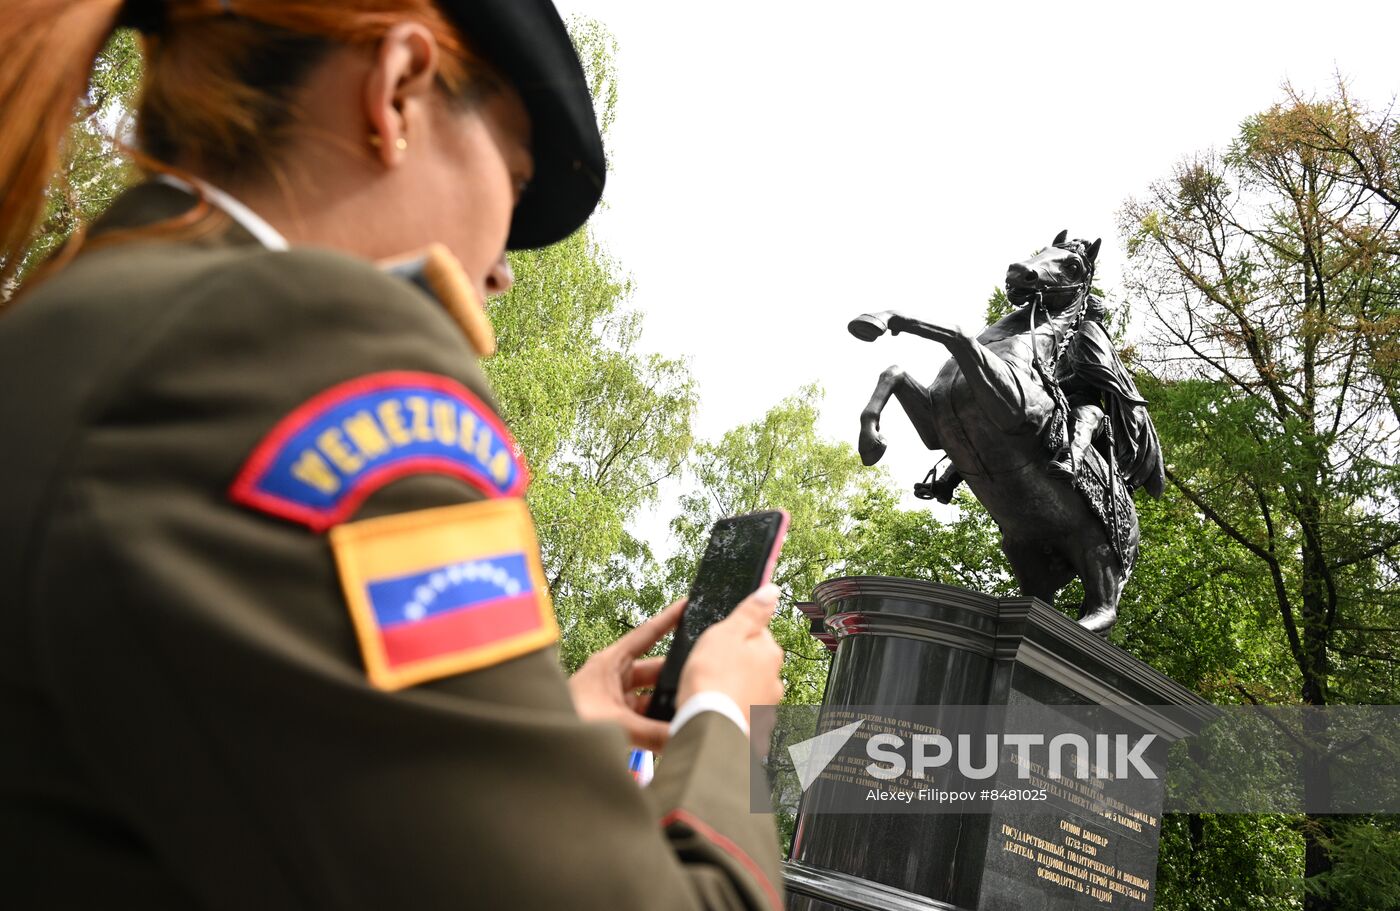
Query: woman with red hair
{"x": 276, "y": 629}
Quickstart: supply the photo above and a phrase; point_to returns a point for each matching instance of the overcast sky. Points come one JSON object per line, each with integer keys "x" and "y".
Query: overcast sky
{"x": 780, "y": 167}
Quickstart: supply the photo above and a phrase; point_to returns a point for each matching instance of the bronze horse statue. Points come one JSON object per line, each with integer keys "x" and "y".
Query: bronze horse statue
{"x": 1039, "y": 417}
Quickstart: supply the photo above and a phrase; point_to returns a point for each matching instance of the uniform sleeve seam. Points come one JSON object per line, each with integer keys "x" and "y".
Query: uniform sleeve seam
{"x": 728, "y": 846}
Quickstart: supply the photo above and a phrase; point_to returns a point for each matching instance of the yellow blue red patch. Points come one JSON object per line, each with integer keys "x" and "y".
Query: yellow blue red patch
{"x": 443, "y": 591}
{"x": 321, "y": 461}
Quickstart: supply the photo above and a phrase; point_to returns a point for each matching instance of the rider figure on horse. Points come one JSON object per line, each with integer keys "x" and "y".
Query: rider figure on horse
{"x": 1095, "y": 382}
{"x": 1095, "y": 385}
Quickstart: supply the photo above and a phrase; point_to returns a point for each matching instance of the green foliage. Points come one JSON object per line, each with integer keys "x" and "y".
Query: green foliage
{"x": 1270, "y": 274}
{"x": 1229, "y": 863}
{"x": 1366, "y": 873}
{"x": 597, "y": 50}
{"x": 1198, "y": 608}
{"x": 999, "y": 305}
{"x": 915, "y": 544}
{"x": 601, "y": 424}
{"x": 93, "y": 170}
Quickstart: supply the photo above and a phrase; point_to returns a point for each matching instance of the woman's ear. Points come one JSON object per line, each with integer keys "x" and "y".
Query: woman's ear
{"x": 403, "y": 76}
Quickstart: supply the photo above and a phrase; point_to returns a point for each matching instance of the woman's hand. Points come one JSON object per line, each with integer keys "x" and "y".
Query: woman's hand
{"x": 738, "y": 656}
{"x": 605, "y": 688}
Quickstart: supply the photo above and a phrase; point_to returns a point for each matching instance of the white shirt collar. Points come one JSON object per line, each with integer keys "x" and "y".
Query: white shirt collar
{"x": 251, "y": 221}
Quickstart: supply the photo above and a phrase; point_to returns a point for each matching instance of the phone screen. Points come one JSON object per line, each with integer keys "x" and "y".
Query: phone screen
{"x": 737, "y": 560}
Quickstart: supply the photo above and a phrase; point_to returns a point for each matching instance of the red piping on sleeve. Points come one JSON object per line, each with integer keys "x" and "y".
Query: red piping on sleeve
{"x": 726, "y": 845}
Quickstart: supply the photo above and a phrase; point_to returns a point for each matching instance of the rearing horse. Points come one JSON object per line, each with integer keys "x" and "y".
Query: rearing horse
{"x": 997, "y": 410}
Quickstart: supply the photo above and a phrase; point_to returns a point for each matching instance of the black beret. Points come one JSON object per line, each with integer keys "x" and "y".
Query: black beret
{"x": 526, "y": 40}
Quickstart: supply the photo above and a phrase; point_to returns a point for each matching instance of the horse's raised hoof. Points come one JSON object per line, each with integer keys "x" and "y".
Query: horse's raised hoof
{"x": 868, "y": 327}
{"x": 871, "y": 445}
{"x": 1100, "y": 621}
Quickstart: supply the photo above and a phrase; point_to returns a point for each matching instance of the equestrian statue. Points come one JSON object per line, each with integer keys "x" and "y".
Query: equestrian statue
{"x": 1040, "y": 418}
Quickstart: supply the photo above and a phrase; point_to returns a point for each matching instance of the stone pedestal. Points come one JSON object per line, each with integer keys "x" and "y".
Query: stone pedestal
{"x": 901, "y": 642}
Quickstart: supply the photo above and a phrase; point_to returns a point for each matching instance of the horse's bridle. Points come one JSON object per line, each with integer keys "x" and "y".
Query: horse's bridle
{"x": 1058, "y": 434}
{"x": 1081, "y": 300}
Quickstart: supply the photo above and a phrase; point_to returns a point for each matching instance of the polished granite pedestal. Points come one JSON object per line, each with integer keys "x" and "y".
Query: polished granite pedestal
{"x": 901, "y": 642}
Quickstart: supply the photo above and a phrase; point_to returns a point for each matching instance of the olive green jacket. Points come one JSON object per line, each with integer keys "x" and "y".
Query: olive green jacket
{"x": 186, "y": 712}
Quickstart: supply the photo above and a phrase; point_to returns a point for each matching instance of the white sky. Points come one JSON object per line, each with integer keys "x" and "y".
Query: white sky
{"x": 780, "y": 167}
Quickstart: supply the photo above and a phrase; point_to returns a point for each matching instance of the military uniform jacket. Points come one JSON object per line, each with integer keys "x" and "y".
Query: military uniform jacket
{"x": 184, "y": 680}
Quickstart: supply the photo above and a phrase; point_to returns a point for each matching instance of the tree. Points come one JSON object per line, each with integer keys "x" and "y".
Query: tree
{"x": 1230, "y": 863}
{"x": 915, "y": 544}
{"x": 1198, "y": 609}
{"x": 601, "y": 425}
{"x": 1269, "y": 274}
{"x": 93, "y": 169}
{"x": 1366, "y": 868}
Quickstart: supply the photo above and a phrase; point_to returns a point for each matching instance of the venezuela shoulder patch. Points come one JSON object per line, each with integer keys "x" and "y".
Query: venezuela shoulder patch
{"x": 443, "y": 591}
{"x": 319, "y": 463}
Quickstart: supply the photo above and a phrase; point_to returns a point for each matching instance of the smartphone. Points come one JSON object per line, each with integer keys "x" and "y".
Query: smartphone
{"x": 739, "y": 558}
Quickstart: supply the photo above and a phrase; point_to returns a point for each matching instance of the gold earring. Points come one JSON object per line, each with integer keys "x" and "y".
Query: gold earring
{"x": 376, "y": 141}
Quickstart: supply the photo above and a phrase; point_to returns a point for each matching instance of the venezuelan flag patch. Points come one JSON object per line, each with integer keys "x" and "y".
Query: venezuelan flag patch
{"x": 321, "y": 461}
{"x": 442, "y": 591}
